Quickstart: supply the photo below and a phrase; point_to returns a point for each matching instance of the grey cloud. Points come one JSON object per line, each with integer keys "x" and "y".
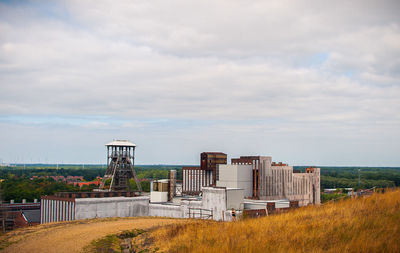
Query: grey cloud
{"x": 312, "y": 68}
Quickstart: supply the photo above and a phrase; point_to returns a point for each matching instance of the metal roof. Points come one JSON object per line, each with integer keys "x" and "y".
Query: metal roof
{"x": 32, "y": 215}
{"x": 124, "y": 143}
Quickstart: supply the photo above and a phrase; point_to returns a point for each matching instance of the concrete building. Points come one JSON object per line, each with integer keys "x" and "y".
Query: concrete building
{"x": 252, "y": 185}
{"x": 209, "y": 162}
{"x": 262, "y": 179}
{"x": 236, "y": 176}
{"x": 260, "y": 168}
{"x": 205, "y": 175}
{"x": 159, "y": 191}
{"x": 215, "y": 204}
{"x": 194, "y": 179}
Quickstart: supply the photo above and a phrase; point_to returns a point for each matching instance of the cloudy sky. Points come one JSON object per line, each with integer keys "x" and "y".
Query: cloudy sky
{"x": 307, "y": 82}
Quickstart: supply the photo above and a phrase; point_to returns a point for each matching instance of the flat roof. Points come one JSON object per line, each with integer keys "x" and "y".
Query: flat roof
{"x": 119, "y": 143}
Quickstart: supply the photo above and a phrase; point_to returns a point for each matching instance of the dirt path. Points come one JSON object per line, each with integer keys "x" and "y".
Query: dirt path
{"x": 73, "y": 236}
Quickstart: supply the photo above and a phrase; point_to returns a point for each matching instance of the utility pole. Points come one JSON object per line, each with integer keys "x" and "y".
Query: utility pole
{"x": 359, "y": 179}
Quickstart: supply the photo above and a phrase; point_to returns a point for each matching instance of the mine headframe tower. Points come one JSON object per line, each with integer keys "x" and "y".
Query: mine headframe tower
{"x": 120, "y": 166}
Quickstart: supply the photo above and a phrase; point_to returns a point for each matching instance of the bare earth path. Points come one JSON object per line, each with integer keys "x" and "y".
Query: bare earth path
{"x": 74, "y": 236}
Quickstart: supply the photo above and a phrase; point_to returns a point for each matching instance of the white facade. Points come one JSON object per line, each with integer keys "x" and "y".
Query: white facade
{"x": 156, "y": 196}
{"x": 88, "y": 208}
{"x": 276, "y": 181}
{"x": 234, "y": 199}
{"x": 219, "y": 201}
{"x": 236, "y": 176}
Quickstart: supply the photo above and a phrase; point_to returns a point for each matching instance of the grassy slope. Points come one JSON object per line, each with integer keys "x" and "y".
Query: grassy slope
{"x": 363, "y": 225}
{"x": 73, "y": 236}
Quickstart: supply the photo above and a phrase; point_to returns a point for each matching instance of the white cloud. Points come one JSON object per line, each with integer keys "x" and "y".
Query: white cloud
{"x": 300, "y": 69}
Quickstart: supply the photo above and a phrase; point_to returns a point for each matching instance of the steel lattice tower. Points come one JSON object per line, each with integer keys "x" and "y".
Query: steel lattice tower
{"x": 120, "y": 166}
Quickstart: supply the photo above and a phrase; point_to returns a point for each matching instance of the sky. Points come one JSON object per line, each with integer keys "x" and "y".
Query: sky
{"x": 306, "y": 82}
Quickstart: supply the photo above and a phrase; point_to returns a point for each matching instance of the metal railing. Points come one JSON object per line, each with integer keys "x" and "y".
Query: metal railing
{"x": 200, "y": 213}
{"x": 120, "y": 154}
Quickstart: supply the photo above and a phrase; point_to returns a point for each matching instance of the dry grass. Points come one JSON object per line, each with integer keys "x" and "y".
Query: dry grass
{"x": 74, "y": 236}
{"x": 364, "y": 225}
{"x": 369, "y": 224}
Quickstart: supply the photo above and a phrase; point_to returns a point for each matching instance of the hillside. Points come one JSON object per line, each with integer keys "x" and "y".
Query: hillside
{"x": 73, "y": 236}
{"x": 370, "y": 224}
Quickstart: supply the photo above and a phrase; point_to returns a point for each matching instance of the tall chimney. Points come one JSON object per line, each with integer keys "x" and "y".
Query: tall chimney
{"x": 172, "y": 184}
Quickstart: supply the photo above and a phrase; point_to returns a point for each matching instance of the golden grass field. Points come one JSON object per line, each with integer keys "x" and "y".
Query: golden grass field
{"x": 370, "y": 224}
{"x": 73, "y": 236}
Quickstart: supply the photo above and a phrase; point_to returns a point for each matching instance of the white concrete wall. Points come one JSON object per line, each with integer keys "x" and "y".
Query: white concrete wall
{"x": 236, "y": 176}
{"x": 88, "y": 208}
{"x": 317, "y": 184}
{"x": 214, "y": 199}
{"x": 218, "y": 199}
{"x": 234, "y": 199}
{"x": 265, "y": 171}
{"x": 162, "y": 210}
{"x": 176, "y": 210}
{"x": 158, "y": 196}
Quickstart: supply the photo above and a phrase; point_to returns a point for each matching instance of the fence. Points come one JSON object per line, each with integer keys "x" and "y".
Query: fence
{"x": 200, "y": 213}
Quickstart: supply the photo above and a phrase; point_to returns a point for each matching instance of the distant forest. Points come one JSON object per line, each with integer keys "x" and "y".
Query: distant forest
{"x": 89, "y": 172}
{"x": 16, "y": 183}
{"x": 347, "y": 177}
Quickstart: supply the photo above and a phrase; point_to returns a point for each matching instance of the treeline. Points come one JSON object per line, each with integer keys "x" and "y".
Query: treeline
{"x": 339, "y": 182}
{"x": 150, "y": 172}
{"x": 88, "y": 174}
{"x": 18, "y": 188}
{"x": 17, "y": 184}
{"x": 346, "y": 177}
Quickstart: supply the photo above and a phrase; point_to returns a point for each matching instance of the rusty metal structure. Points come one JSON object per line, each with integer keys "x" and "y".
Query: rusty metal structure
{"x": 171, "y": 184}
{"x": 120, "y": 166}
{"x": 209, "y": 162}
{"x": 207, "y": 174}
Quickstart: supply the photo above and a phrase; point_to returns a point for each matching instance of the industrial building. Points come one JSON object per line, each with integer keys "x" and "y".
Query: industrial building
{"x": 252, "y": 185}
{"x": 258, "y": 176}
{"x": 262, "y": 179}
{"x": 113, "y": 200}
{"x": 205, "y": 175}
